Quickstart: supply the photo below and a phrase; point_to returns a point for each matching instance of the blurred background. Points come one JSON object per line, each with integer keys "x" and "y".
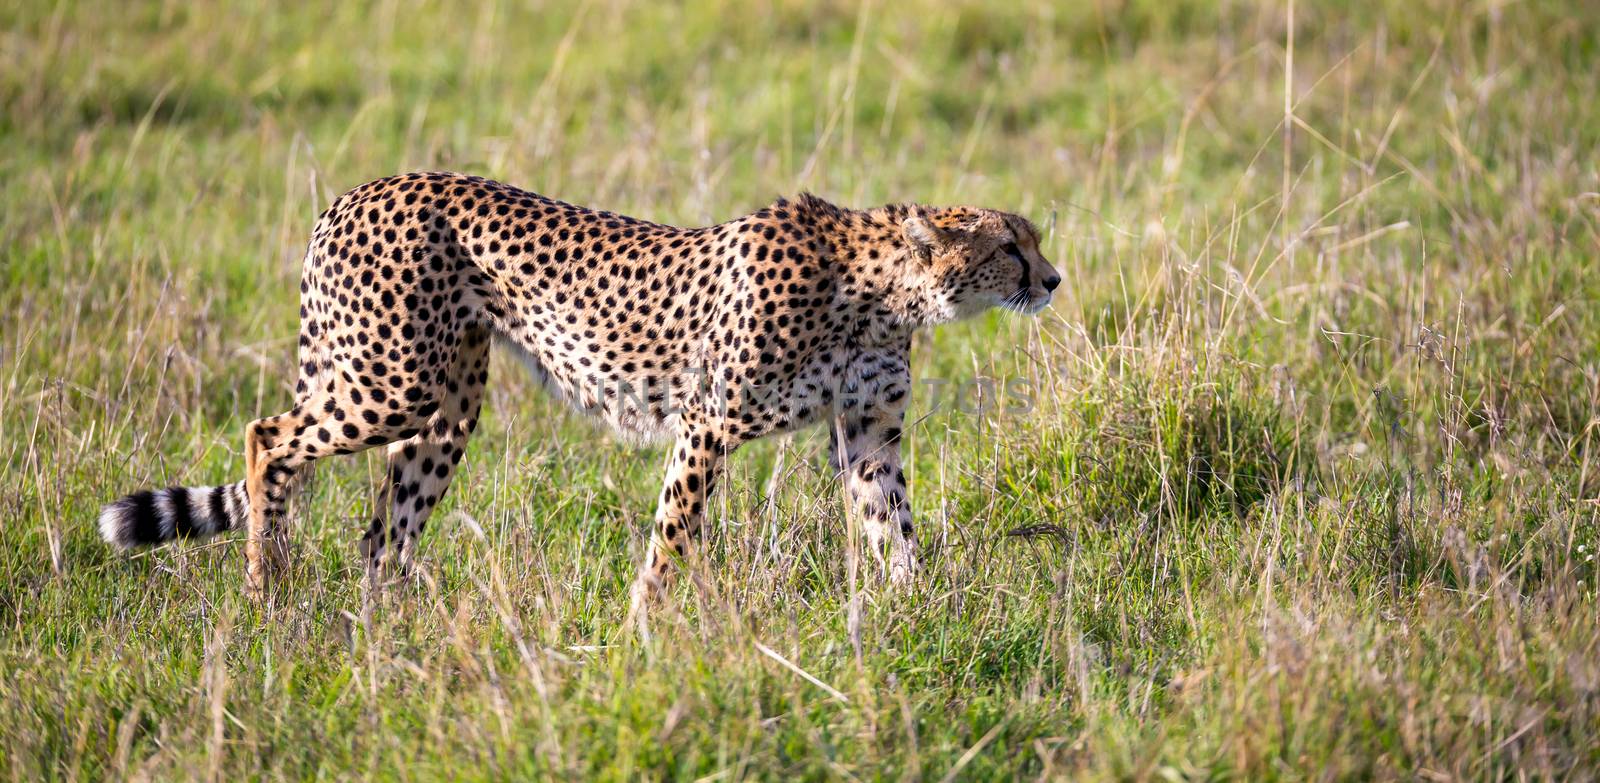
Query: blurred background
{"x": 1308, "y": 487}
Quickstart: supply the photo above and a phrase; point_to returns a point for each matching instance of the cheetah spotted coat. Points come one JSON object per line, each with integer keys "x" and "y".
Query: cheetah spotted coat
{"x": 710, "y": 337}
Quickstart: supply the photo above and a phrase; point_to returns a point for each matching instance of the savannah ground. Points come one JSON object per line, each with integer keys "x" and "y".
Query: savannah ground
{"x": 1307, "y": 487}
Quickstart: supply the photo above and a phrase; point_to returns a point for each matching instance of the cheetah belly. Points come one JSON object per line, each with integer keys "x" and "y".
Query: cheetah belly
{"x": 624, "y": 404}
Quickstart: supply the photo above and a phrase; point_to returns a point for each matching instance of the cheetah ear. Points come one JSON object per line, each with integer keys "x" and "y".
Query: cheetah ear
{"x": 923, "y": 236}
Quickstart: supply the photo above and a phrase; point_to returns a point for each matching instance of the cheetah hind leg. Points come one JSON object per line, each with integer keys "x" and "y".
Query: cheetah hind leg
{"x": 278, "y": 450}
{"x": 421, "y": 467}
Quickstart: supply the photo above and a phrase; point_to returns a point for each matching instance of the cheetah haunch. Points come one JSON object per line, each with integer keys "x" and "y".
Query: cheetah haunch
{"x": 713, "y": 337}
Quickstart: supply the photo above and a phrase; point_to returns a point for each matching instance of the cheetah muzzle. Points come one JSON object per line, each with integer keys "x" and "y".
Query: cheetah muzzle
{"x": 711, "y": 337}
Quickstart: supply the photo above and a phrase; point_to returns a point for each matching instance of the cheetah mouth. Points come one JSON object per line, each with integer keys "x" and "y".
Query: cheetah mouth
{"x": 1025, "y": 302}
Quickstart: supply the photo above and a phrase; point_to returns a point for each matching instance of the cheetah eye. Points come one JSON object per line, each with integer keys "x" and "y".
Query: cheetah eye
{"x": 1010, "y": 249}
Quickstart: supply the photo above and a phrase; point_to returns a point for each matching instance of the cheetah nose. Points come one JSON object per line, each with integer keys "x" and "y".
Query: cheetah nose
{"x": 1051, "y": 282}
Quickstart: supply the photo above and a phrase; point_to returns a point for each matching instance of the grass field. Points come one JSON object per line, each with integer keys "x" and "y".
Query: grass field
{"x": 1307, "y": 488}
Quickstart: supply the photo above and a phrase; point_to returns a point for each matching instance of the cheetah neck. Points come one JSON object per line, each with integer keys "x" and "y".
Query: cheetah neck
{"x": 885, "y": 269}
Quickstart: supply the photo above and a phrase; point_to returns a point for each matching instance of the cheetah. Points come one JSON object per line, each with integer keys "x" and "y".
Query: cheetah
{"x": 798, "y": 313}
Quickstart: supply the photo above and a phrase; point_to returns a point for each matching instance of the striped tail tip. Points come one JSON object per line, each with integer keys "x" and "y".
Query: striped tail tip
{"x": 156, "y": 516}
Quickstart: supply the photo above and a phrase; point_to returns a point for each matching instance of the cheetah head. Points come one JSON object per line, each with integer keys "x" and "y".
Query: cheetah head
{"x": 975, "y": 259}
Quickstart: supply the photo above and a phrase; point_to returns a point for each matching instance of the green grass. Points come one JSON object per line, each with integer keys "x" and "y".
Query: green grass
{"x": 1307, "y": 489}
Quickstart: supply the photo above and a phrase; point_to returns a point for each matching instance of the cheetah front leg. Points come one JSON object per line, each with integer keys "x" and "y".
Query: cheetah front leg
{"x": 876, "y": 484}
{"x": 691, "y": 471}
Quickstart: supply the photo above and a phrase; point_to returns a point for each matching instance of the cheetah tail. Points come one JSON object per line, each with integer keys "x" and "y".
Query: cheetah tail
{"x": 154, "y": 516}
